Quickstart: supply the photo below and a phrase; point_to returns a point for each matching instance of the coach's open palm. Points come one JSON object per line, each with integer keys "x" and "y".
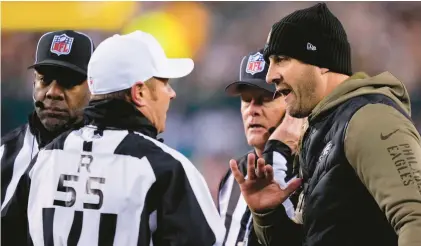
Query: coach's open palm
{"x": 260, "y": 191}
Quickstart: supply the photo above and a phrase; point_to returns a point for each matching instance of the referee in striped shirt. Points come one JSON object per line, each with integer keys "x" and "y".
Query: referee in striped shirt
{"x": 262, "y": 113}
{"x": 111, "y": 182}
{"x": 60, "y": 92}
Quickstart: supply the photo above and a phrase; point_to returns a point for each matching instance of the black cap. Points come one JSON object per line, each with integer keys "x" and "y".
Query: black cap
{"x": 253, "y": 70}
{"x": 68, "y": 49}
{"x": 314, "y": 36}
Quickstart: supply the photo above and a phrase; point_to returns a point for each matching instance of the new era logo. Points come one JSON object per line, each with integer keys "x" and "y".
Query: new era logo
{"x": 311, "y": 47}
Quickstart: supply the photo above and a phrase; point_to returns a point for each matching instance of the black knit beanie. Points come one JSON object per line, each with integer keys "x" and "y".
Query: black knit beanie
{"x": 314, "y": 36}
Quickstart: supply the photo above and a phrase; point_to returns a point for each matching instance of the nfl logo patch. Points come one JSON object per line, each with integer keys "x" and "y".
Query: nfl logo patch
{"x": 61, "y": 45}
{"x": 255, "y": 64}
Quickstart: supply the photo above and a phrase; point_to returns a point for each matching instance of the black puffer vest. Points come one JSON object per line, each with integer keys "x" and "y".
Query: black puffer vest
{"x": 338, "y": 209}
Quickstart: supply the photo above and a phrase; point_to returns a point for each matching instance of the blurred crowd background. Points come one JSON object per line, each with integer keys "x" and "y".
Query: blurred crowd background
{"x": 203, "y": 123}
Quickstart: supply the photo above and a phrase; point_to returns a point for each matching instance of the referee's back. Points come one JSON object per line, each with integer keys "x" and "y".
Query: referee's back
{"x": 118, "y": 187}
{"x": 111, "y": 182}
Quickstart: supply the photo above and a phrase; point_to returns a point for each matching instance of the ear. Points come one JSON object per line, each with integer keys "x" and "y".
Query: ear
{"x": 138, "y": 94}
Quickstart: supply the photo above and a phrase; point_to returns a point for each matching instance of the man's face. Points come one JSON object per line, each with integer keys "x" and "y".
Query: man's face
{"x": 158, "y": 102}
{"x": 260, "y": 112}
{"x": 60, "y": 95}
{"x": 300, "y": 84}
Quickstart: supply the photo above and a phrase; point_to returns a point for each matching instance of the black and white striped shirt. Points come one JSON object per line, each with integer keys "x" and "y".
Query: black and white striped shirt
{"x": 232, "y": 206}
{"x": 118, "y": 187}
{"x": 17, "y": 150}
{"x": 18, "y": 147}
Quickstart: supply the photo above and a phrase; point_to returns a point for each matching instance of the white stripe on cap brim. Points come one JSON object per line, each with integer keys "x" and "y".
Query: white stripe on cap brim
{"x": 176, "y": 68}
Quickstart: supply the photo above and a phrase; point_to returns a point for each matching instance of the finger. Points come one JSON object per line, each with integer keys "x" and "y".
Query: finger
{"x": 292, "y": 186}
{"x": 237, "y": 174}
{"x": 251, "y": 173}
{"x": 269, "y": 172}
{"x": 260, "y": 171}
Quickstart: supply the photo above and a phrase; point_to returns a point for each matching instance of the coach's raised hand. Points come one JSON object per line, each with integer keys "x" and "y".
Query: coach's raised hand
{"x": 261, "y": 192}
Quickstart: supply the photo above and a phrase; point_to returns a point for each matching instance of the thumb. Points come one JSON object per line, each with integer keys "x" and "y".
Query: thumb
{"x": 292, "y": 186}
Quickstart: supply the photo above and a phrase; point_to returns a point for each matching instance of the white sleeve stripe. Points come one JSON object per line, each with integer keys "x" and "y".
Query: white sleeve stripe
{"x": 1, "y": 151}
{"x": 152, "y": 222}
{"x": 22, "y": 161}
{"x": 224, "y": 196}
{"x": 235, "y": 226}
{"x": 152, "y": 225}
{"x": 280, "y": 169}
{"x": 200, "y": 190}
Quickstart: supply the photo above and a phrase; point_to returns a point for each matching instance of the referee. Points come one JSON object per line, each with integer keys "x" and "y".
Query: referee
{"x": 60, "y": 93}
{"x": 261, "y": 112}
{"x": 111, "y": 182}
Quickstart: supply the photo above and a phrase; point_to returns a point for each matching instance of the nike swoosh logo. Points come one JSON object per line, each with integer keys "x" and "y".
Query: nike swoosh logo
{"x": 384, "y": 137}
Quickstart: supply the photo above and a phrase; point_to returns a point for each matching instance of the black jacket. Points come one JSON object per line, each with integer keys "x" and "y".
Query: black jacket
{"x": 361, "y": 166}
{"x": 335, "y": 201}
{"x": 337, "y": 209}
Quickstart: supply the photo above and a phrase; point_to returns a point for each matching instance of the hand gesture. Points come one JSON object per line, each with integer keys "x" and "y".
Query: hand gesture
{"x": 260, "y": 191}
{"x": 290, "y": 131}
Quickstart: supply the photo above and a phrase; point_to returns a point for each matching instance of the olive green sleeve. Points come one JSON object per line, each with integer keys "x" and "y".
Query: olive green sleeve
{"x": 383, "y": 147}
{"x": 275, "y": 228}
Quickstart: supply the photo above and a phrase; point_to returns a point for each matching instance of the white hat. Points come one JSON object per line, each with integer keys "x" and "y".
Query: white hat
{"x": 121, "y": 61}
